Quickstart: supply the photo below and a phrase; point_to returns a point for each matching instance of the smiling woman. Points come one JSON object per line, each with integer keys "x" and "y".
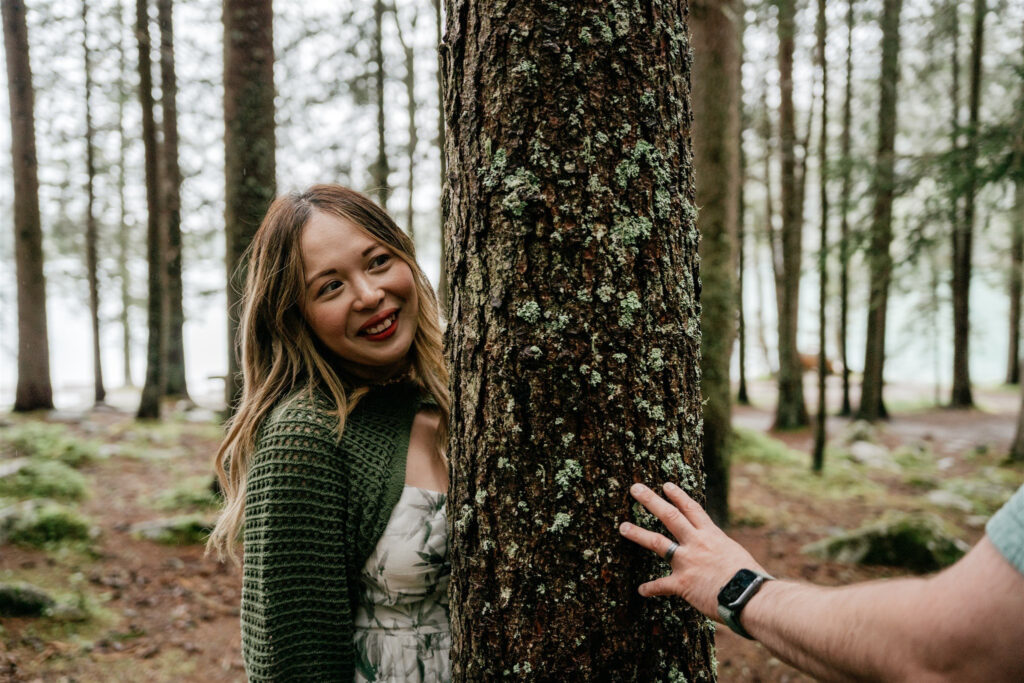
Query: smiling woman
{"x": 360, "y": 299}
{"x": 332, "y": 467}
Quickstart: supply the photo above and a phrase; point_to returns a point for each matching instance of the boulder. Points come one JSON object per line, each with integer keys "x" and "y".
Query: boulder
{"x": 24, "y": 600}
{"x": 180, "y": 530}
{"x": 917, "y": 542}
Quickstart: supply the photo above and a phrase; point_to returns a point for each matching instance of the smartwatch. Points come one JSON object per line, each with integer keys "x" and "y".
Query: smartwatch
{"x": 735, "y": 595}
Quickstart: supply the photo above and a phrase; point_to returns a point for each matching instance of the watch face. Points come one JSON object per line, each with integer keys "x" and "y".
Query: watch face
{"x": 734, "y": 589}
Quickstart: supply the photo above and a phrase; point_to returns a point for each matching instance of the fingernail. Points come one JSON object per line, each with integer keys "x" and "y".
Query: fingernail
{"x": 669, "y": 486}
{"x": 640, "y": 590}
{"x": 636, "y": 488}
{"x": 624, "y": 527}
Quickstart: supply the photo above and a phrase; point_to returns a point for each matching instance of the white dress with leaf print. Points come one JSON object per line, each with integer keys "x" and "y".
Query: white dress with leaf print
{"x": 401, "y": 624}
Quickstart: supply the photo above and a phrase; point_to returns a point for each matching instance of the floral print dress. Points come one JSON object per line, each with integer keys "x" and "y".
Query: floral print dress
{"x": 401, "y": 623}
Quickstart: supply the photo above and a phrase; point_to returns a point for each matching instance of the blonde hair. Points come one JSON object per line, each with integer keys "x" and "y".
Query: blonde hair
{"x": 279, "y": 351}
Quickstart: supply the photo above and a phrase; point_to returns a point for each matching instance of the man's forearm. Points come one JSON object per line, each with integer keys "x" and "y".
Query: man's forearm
{"x": 851, "y": 633}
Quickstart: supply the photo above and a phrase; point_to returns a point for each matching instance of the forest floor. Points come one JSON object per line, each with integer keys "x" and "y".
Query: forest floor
{"x": 151, "y": 612}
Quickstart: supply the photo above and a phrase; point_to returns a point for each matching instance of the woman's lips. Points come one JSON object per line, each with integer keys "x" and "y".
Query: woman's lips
{"x": 380, "y": 327}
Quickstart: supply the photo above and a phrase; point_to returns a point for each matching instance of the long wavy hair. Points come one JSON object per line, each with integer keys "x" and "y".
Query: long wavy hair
{"x": 280, "y": 353}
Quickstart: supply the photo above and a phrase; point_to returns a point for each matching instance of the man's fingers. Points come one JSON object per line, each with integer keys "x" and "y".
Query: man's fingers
{"x": 662, "y": 586}
{"x": 669, "y": 514}
{"x": 645, "y": 538}
{"x": 688, "y": 506}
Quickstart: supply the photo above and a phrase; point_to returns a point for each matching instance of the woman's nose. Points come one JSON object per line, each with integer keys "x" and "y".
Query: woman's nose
{"x": 368, "y": 295}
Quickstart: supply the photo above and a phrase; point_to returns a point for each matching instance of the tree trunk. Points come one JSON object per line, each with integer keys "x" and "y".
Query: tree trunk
{"x": 123, "y": 232}
{"x": 573, "y": 264}
{"x": 1017, "y": 447}
{"x": 442, "y": 284}
{"x": 175, "y": 384}
{"x": 156, "y": 352}
{"x": 963, "y": 236}
{"x": 821, "y": 29}
{"x": 716, "y": 107}
{"x": 765, "y": 129}
{"x": 741, "y": 237}
{"x": 249, "y": 149}
{"x": 872, "y": 406}
{"x": 99, "y": 392}
{"x": 411, "y": 108}
{"x": 844, "y": 209}
{"x": 1016, "y": 266}
{"x": 33, "y": 391}
{"x": 790, "y": 411}
{"x": 379, "y": 170}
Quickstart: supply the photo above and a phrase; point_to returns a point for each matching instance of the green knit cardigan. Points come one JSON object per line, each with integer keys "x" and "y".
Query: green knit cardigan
{"x": 314, "y": 511}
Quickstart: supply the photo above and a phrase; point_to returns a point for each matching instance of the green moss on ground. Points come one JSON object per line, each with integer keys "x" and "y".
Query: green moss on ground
{"x": 44, "y": 479}
{"x": 192, "y": 493}
{"x": 48, "y": 524}
{"x": 49, "y": 441}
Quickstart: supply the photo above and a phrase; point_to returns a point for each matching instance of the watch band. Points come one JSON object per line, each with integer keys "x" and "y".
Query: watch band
{"x": 730, "y": 612}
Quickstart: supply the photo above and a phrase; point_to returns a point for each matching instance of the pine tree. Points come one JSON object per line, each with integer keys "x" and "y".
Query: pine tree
{"x": 33, "y": 391}
{"x": 249, "y": 148}
{"x": 872, "y": 407}
{"x": 572, "y": 249}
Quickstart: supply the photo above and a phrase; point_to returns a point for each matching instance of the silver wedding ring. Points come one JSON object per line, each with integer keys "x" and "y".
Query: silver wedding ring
{"x": 671, "y": 551}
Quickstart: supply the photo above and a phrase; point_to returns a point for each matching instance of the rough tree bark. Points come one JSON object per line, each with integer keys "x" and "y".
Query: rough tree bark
{"x": 249, "y": 148}
{"x": 573, "y": 264}
{"x": 156, "y": 346}
{"x": 821, "y": 31}
{"x": 715, "y": 29}
{"x": 872, "y": 407}
{"x": 174, "y": 379}
{"x": 844, "y": 211}
{"x": 91, "y": 237}
{"x": 33, "y": 390}
{"x": 790, "y": 411}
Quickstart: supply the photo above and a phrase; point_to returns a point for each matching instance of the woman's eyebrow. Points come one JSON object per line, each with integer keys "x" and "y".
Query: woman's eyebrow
{"x": 327, "y": 271}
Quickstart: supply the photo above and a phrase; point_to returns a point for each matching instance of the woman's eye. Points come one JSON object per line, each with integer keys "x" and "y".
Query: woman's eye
{"x": 379, "y": 260}
{"x": 330, "y": 287}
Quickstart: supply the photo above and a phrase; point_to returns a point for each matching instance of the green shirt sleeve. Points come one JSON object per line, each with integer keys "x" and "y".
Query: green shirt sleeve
{"x": 296, "y": 611}
{"x": 1006, "y": 530}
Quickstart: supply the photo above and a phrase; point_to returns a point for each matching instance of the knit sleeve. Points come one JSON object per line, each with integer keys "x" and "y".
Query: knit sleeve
{"x": 296, "y": 611}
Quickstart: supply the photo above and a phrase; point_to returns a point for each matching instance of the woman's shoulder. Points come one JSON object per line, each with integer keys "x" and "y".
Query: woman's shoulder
{"x": 304, "y": 413}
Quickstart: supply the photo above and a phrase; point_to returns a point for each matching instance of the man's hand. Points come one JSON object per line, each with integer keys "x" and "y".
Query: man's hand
{"x": 706, "y": 558}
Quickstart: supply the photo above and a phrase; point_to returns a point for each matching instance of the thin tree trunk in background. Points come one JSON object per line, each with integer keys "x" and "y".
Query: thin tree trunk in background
{"x": 442, "y": 285}
{"x": 123, "y": 233}
{"x": 790, "y": 412}
{"x": 741, "y": 214}
{"x": 33, "y": 391}
{"x": 573, "y": 254}
{"x": 1016, "y": 265}
{"x": 872, "y": 406}
{"x": 742, "y": 396}
{"x": 821, "y": 29}
{"x": 249, "y": 149}
{"x": 410, "y": 95}
{"x": 1017, "y": 247}
{"x": 175, "y": 384}
{"x": 844, "y": 209}
{"x": 1017, "y": 447}
{"x": 715, "y": 35}
{"x": 379, "y": 170}
{"x": 963, "y": 238}
{"x": 156, "y": 351}
{"x": 765, "y": 129}
{"x": 99, "y": 392}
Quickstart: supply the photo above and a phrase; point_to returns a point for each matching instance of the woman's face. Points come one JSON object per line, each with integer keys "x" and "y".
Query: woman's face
{"x": 360, "y": 299}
